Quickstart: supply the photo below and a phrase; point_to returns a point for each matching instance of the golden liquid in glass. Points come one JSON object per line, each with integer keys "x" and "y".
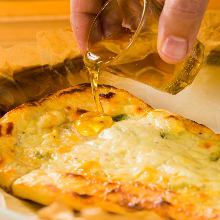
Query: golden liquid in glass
{"x": 133, "y": 54}
{"x": 141, "y": 62}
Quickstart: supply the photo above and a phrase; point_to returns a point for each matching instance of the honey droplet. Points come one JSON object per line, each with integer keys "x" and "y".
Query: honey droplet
{"x": 92, "y": 123}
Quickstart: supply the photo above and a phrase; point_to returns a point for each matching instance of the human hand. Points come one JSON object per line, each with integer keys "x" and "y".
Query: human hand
{"x": 178, "y": 26}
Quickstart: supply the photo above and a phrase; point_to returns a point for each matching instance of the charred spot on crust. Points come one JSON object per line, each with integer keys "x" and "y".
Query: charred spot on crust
{"x": 163, "y": 203}
{"x": 32, "y": 104}
{"x": 85, "y": 85}
{"x": 113, "y": 191}
{"x": 73, "y": 175}
{"x": 109, "y": 95}
{"x": 9, "y": 128}
{"x": 172, "y": 117}
{"x": 75, "y": 89}
{"x": 77, "y": 213}
{"x": 139, "y": 109}
{"x": 197, "y": 124}
{"x": 80, "y": 111}
{"x": 68, "y": 108}
{"x": 43, "y": 99}
{"x": 71, "y": 91}
{"x": 112, "y": 213}
{"x": 12, "y": 150}
{"x": 135, "y": 206}
{"x": 82, "y": 196}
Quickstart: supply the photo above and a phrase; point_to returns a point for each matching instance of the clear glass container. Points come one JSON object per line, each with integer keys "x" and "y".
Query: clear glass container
{"x": 128, "y": 46}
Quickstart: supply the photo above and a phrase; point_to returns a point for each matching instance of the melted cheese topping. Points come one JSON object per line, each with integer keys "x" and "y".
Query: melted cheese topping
{"x": 57, "y": 132}
{"x": 152, "y": 150}
{"x": 53, "y": 133}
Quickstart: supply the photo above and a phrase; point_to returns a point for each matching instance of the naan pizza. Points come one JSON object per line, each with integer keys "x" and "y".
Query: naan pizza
{"x": 129, "y": 161}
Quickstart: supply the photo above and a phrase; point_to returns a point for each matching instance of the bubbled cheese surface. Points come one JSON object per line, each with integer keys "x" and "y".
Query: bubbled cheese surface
{"x": 150, "y": 149}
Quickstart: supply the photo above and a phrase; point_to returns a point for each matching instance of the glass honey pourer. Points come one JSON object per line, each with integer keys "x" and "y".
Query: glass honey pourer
{"x": 123, "y": 41}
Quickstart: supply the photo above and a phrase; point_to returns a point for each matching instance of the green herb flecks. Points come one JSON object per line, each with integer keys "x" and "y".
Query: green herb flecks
{"x": 43, "y": 156}
{"x": 214, "y": 156}
{"x": 163, "y": 134}
{"x": 183, "y": 187}
{"x": 120, "y": 117}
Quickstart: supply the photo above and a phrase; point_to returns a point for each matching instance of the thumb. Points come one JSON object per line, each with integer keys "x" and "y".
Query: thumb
{"x": 178, "y": 28}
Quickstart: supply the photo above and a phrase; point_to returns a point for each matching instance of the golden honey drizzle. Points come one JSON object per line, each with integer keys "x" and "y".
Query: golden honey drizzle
{"x": 96, "y": 64}
{"x": 92, "y": 123}
{"x": 132, "y": 53}
{"x": 94, "y": 73}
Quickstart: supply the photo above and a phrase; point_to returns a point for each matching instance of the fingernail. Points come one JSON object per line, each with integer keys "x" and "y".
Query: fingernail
{"x": 175, "y": 48}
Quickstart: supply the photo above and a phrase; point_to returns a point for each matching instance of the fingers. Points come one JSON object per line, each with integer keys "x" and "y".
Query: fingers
{"x": 131, "y": 12}
{"x": 111, "y": 20}
{"x": 178, "y": 27}
{"x": 82, "y": 14}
